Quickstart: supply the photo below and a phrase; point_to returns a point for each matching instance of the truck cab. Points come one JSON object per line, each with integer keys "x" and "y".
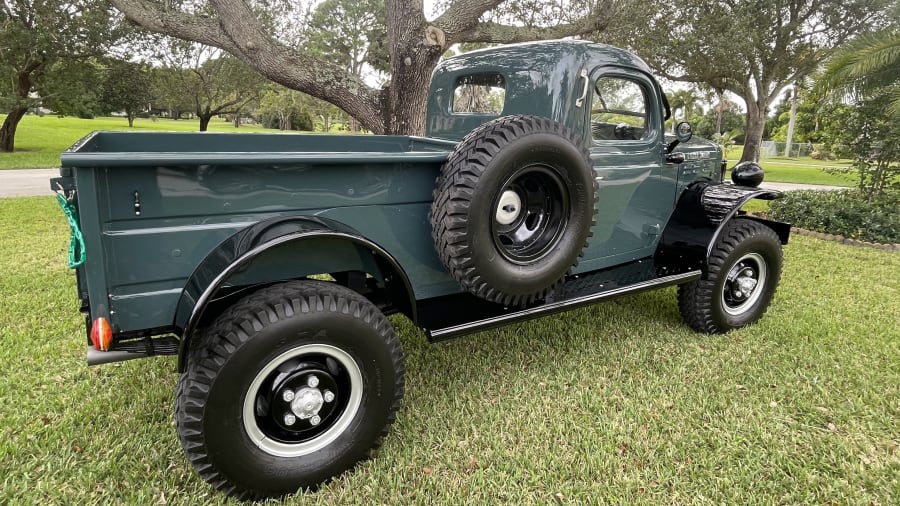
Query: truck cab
{"x": 610, "y": 97}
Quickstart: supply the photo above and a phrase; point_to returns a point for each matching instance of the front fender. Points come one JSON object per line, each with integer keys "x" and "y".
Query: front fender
{"x": 281, "y": 248}
{"x": 697, "y": 222}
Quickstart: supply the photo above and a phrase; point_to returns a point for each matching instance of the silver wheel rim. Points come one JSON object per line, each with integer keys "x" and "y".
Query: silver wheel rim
{"x": 280, "y": 449}
{"x": 749, "y": 266}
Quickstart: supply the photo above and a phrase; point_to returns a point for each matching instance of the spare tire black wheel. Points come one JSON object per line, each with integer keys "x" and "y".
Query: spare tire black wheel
{"x": 513, "y": 208}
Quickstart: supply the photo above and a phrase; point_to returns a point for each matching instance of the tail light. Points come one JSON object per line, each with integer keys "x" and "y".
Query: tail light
{"x": 101, "y": 334}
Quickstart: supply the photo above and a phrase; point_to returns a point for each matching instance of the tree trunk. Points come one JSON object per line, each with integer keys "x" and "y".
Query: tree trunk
{"x": 790, "y": 132}
{"x": 237, "y": 119}
{"x": 756, "y": 122}
{"x": 8, "y": 130}
{"x": 719, "y": 119}
{"x": 412, "y": 62}
{"x": 11, "y": 123}
{"x": 204, "y": 121}
{"x": 130, "y": 115}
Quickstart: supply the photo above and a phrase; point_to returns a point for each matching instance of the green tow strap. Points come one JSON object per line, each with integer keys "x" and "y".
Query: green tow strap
{"x": 76, "y": 241}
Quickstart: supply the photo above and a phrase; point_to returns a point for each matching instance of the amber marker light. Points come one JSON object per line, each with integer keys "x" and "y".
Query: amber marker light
{"x": 101, "y": 334}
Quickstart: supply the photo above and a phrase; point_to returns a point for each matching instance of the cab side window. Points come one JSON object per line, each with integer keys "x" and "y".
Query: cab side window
{"x": 618, "y": 110}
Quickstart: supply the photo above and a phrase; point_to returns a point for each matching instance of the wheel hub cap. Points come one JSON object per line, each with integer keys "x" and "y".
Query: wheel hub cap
{"x": 508, "y": 208}
{"x": 744, "y": 284}
{"x": 307, "y": 402}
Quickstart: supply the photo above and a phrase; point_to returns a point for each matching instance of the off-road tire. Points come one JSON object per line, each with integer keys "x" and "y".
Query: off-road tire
{"x": 252, "y": 335}
{"x": 521, "y": 261}
{"x": 702, "y": 303}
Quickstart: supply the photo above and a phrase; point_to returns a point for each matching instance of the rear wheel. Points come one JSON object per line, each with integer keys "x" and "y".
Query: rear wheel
{"x": 744, "y": 270}
{"x": 291, "y": 386}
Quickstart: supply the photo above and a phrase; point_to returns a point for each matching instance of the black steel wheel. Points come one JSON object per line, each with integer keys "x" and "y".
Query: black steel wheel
{"x": 513, "y": 208}
{"x": 531, "y": 214}
{"x": 291, "y": 386}
{"x": 744, "y": 270}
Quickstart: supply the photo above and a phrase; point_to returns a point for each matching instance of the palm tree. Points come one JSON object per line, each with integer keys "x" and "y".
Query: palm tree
{"x": 686, "y": 100}
{"x": 867, "y": 65}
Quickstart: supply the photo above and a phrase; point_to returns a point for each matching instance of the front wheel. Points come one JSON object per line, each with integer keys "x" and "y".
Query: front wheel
{"x": 289, "y": 387}
{"x": 744, "y": 270}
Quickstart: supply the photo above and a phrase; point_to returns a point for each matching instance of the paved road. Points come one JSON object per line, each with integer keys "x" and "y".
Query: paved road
{"x": 25, "y": 182}
{"x": 795, "y": 186}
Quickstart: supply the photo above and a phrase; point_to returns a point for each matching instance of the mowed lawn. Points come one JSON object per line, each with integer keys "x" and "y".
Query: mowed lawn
{"x": 802, "y": 169}
{"x": 614, "y": 403}
{"x": 40, "y": 139}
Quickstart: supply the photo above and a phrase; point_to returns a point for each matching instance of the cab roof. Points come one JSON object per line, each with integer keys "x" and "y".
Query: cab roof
{"x": 540, "y": 78}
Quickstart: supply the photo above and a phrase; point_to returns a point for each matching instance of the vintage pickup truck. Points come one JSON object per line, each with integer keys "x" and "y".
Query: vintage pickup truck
{"x": 267, "y": 263}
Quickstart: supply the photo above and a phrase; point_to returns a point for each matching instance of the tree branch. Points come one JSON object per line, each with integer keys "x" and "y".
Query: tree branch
{"x": 236, "y": 30}
{"x": 178, "y": 24}
{"x": 462, "y": 15}
{"x": 506, "y": 34}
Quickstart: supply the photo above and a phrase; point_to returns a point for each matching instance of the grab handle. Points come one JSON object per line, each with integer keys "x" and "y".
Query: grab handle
{"x": 580, "y": 101}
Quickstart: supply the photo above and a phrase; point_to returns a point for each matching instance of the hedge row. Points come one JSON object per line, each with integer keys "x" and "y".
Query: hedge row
{"x": 841, "y": 212}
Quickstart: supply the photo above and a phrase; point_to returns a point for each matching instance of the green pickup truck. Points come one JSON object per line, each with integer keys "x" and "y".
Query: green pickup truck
{"x": 268, "y": 263}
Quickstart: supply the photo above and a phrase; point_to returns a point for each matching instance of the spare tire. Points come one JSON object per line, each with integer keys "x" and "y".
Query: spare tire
{"x": 513, "y": 208}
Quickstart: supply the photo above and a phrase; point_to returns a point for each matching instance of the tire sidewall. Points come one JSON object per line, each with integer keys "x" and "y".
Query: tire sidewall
{"x": 769, "y": 250}
{"x": 567, "y": 162}
{"x": 232, "y": 450}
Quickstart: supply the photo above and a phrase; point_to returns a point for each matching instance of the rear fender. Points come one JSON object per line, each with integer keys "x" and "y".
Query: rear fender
{"x": 698, "y": 220}
{"x": 280, "y": 249}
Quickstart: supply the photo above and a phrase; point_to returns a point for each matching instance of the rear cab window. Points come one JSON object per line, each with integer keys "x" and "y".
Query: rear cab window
{"x": 483, "y": 94}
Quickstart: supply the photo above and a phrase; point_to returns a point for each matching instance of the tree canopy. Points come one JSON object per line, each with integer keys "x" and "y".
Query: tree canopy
{"x": 867, "y": 66}
{"x": 748, "y": 47}
{"x": 254, "y": 35}
{"x": 34, "y": 35}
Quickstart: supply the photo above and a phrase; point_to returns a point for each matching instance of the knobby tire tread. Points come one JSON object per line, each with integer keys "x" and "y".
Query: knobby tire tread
{"x": 236, "y": 326}
{"x": 696, "y": 299}
{"x": 455, "y": 187}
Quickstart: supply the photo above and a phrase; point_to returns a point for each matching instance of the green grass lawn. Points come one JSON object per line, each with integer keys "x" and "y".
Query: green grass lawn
{"x": 803, "y": 169}
{"x": 614, "y": 403}
{"x": 40, "y": 140}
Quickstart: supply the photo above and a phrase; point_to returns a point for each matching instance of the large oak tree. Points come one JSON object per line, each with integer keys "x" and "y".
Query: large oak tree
{"x": 214, "y": 83}
{"x": 416, "y": 44}
{"x": 36, "y": 34}
{"x": 752, "y": 48}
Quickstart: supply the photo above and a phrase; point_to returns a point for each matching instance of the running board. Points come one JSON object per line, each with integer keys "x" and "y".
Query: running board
{"x": 548, "y": 308}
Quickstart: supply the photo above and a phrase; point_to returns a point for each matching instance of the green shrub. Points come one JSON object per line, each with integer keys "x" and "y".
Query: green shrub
{"x": 841, "y": 212}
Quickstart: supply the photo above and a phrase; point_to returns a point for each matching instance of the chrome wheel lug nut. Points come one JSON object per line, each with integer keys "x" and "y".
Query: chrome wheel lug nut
{"x": 315, "y": 420}
{"x": 289, "y": 419}
{"x": 288, "y": 395}
{"x": 312, "y": 381}
{"x": 328, "y": 395}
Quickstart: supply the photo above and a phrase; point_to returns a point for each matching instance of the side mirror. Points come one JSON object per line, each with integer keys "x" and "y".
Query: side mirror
{"x": 683, "y": 133}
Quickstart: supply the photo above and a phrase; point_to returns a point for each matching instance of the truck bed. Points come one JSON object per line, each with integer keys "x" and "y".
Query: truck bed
{"x": 153, "y": 205}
